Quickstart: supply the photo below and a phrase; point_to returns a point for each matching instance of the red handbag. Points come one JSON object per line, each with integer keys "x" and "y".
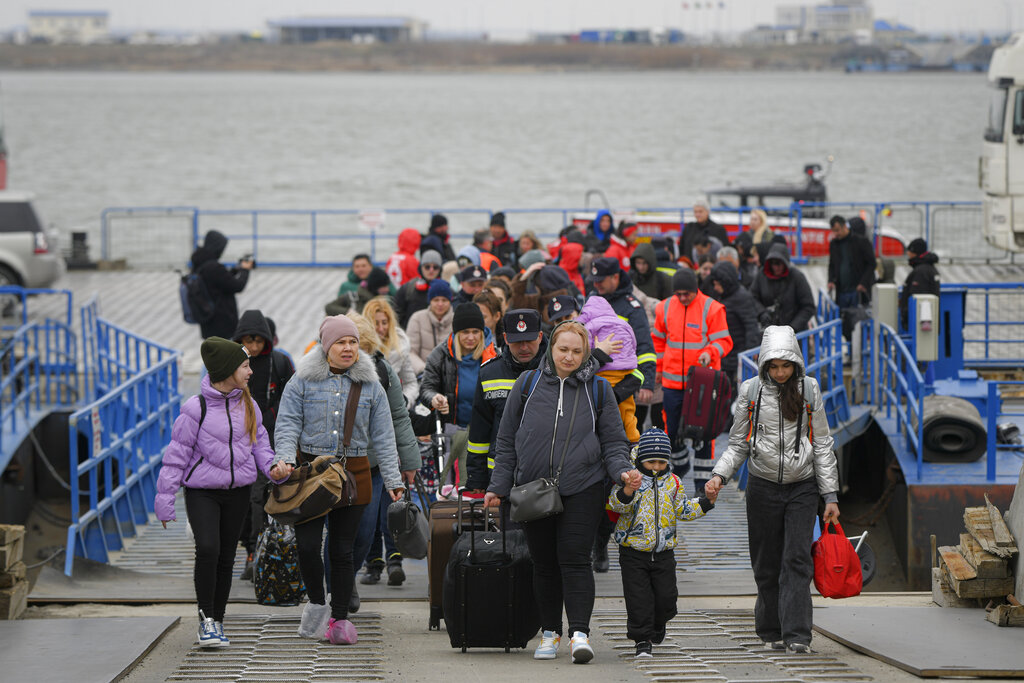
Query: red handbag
{"x": 837, "y": 572}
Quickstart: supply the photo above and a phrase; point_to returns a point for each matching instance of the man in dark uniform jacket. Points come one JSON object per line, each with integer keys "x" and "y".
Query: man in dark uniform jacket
{"x": 923, "y": 279}
{"x": 614, "y": 284}
{"x": 525, "y": 347}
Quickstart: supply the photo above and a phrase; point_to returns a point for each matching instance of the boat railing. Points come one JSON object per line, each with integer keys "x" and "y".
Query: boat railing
{"x": 116, "y": 441}
{"x": 993, "y": 323}
{"x": 35, "y": 304}
{"x": 330, "y": 237}
{"x": 897, "y": 386}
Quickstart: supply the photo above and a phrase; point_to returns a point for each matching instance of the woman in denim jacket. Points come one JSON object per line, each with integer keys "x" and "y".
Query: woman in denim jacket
{"x": 310, "y": 423}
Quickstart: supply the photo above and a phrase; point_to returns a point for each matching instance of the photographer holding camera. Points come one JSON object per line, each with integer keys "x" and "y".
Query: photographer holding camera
{"x": 781, "y": 292}
{"x": 221, "y": 284}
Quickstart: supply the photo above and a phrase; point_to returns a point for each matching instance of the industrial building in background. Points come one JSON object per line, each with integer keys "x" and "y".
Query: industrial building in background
{"x": 69, "y": 27}
{"x": 347, "y": 29}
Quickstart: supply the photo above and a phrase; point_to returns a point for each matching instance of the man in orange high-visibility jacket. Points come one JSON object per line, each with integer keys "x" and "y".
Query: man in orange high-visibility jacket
{"x": 689, "y": 329}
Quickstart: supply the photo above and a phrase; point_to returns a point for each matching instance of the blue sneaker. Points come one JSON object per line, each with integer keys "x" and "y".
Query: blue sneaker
{"x": 220, "y": 633}
{"x": 548, "y": 647}
{"x": 207, "y": 635}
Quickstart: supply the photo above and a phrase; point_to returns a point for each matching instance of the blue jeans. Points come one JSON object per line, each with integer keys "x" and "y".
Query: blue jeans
{"x": 848, "y": 299}
{"x": 375, "y": 516}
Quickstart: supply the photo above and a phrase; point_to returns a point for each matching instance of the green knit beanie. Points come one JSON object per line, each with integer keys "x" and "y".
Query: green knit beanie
{"x": 222, "y": 357}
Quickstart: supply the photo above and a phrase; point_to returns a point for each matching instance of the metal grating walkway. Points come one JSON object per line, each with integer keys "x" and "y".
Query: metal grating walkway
{"x": 267, "y": 648}
{"x": 721, "y": 646}
{"x": 166, "y": 551}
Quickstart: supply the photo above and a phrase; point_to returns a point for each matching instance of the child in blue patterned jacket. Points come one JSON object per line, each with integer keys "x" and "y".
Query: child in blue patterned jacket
{"x": 646, "y": 534}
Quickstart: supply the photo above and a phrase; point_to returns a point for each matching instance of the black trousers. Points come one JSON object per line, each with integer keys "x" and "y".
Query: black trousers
{"x": 216, "y": 516}
{"x": 560, "y": 547}
{"x": 341, "y": 537}
{"x": 649, "y": 587}
{"x": 657, "y": 418}
{"x": 780, "y": 519}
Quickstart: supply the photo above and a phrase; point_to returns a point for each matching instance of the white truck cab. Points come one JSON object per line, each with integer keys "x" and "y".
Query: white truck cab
{"x": 1001, "y": 167}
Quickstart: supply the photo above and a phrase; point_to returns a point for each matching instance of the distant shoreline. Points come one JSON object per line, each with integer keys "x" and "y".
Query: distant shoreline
{"x": 423, "y": 57}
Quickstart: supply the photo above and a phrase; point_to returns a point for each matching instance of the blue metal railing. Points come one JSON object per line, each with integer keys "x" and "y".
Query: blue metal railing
{"x": 37, "y": 372}
{"x": 23, "y": 295}
{"x": 992, "y": 422}
{"x": 899, "y": 390}
{"x": 116, "y": 442}
{"x": 998, "y": 337}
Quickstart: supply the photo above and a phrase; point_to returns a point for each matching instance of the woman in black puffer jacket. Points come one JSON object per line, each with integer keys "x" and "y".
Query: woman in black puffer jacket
{"x": 567, "y": 410}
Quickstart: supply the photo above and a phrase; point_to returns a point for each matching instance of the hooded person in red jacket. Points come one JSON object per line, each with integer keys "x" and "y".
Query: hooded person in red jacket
{"x": 623, "y": 242}
{"x": 403, "y": 264}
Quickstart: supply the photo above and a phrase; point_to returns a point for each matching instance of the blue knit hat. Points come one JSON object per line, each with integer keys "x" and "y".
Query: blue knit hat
{"x": 439, "y": 288}
{"x": 654, "y": 444}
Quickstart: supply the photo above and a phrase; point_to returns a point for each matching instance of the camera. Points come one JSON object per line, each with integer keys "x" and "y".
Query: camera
{"x": 247, "y": 258}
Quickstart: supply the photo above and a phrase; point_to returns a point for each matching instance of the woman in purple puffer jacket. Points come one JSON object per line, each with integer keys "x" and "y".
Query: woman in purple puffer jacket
{"x": 217, "y": 443}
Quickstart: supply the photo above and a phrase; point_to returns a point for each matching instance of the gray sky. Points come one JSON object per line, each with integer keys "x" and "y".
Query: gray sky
{"x": 516, "y": 16}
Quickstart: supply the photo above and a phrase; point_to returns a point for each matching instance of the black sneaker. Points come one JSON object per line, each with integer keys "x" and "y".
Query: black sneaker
{"x": 644, "y": 649}
{"x": 247, "y": 571}
{"x": 374, "y": 568}
{"x": 396, "y": 575}
{"x": 659, "y": 637}
{"x": 354, "y": 601}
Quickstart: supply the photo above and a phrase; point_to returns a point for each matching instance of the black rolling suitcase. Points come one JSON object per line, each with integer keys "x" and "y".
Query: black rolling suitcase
{"x": 488, "y": 590}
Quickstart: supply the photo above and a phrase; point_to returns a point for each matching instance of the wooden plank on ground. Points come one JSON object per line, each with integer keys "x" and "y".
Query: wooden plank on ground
{"x": 985, "y": 563}
{"x": 11, "y": 553}
{"x": 10, "y": 533}
{"x": 943, "y": 595}
{"x": 14, "y": 573}
{"x": 958, "y": 567}
{"x": 979, "y": 588}
{"x": 1007, "y": 615}
{"x": 978, "y": 521}
{"x": 999, "y": 529}
{"x": 13, "y": 600}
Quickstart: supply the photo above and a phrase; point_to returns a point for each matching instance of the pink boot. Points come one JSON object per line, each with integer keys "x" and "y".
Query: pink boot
{"x": 341, "y": 632}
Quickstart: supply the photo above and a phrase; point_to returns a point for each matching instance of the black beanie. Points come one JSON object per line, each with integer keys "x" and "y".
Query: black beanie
{"x": 917, "y": 246}
{"x": 467, "y": 316}
{"x": 685, "y": 280}
{"x": 222, "y": 357}
{"x": 377, "y": 278}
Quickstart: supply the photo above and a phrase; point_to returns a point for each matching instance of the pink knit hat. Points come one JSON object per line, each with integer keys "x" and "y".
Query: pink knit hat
{"x": 334, "y": 328}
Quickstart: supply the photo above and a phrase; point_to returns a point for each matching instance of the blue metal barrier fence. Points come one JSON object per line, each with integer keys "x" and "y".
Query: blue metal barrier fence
{"x": 116, "y": 442}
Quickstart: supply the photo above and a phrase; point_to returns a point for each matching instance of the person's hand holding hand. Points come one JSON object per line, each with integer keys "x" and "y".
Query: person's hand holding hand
{"x": 712, "y": 487}
{"x": 440, "y": 403}
{"x": 491, "y": 500}
{"x": 280, "y": 471}
{"x": 831, "y": 512}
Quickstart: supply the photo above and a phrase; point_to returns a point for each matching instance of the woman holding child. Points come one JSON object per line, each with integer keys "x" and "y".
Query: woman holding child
{"x": 568, "y": 413}
{"x": 781, "y": 431}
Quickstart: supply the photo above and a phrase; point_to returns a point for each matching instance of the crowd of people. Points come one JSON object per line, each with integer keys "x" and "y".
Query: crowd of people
{"x": 539, "y": 360}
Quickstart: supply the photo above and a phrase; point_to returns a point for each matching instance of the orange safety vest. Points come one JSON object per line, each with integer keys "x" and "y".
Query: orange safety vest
{"x": 489, "y": 261}
{"x": 681, "y": 333}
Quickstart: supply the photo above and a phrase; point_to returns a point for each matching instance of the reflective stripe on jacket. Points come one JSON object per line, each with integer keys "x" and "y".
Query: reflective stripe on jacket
{"x": 681, "y": 333}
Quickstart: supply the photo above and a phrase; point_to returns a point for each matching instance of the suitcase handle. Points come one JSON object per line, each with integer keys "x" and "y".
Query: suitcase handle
{"x": 473, "y": 502}
{"x": 421, "y": 489}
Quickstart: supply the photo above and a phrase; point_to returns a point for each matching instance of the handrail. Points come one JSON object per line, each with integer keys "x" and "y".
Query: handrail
{"x": 947, "y": 226}
{"x": 899, "y": 389}
{"x": 23, "y": 295}
{"x": 992, "y": 423}
{"x": 38, "y": 371}
{"x": 123, "y": 433}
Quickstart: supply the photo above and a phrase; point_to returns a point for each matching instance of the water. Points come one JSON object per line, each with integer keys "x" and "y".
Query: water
{"x": 86, "y": 141}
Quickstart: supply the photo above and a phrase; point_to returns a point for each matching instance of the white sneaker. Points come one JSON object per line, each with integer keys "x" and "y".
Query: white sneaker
{"x": 579, "y": 648}
{"x": 548, "y": 647}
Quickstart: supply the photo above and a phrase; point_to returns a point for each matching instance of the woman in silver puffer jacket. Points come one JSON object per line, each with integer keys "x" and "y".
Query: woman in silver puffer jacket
{"x": 781, "y": 431}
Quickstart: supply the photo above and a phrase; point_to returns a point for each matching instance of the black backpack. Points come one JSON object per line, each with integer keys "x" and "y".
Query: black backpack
{"x": 196, "y": 303}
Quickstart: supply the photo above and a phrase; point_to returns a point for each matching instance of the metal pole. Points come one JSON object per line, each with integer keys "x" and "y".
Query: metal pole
{"x": 992, "y": 418}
